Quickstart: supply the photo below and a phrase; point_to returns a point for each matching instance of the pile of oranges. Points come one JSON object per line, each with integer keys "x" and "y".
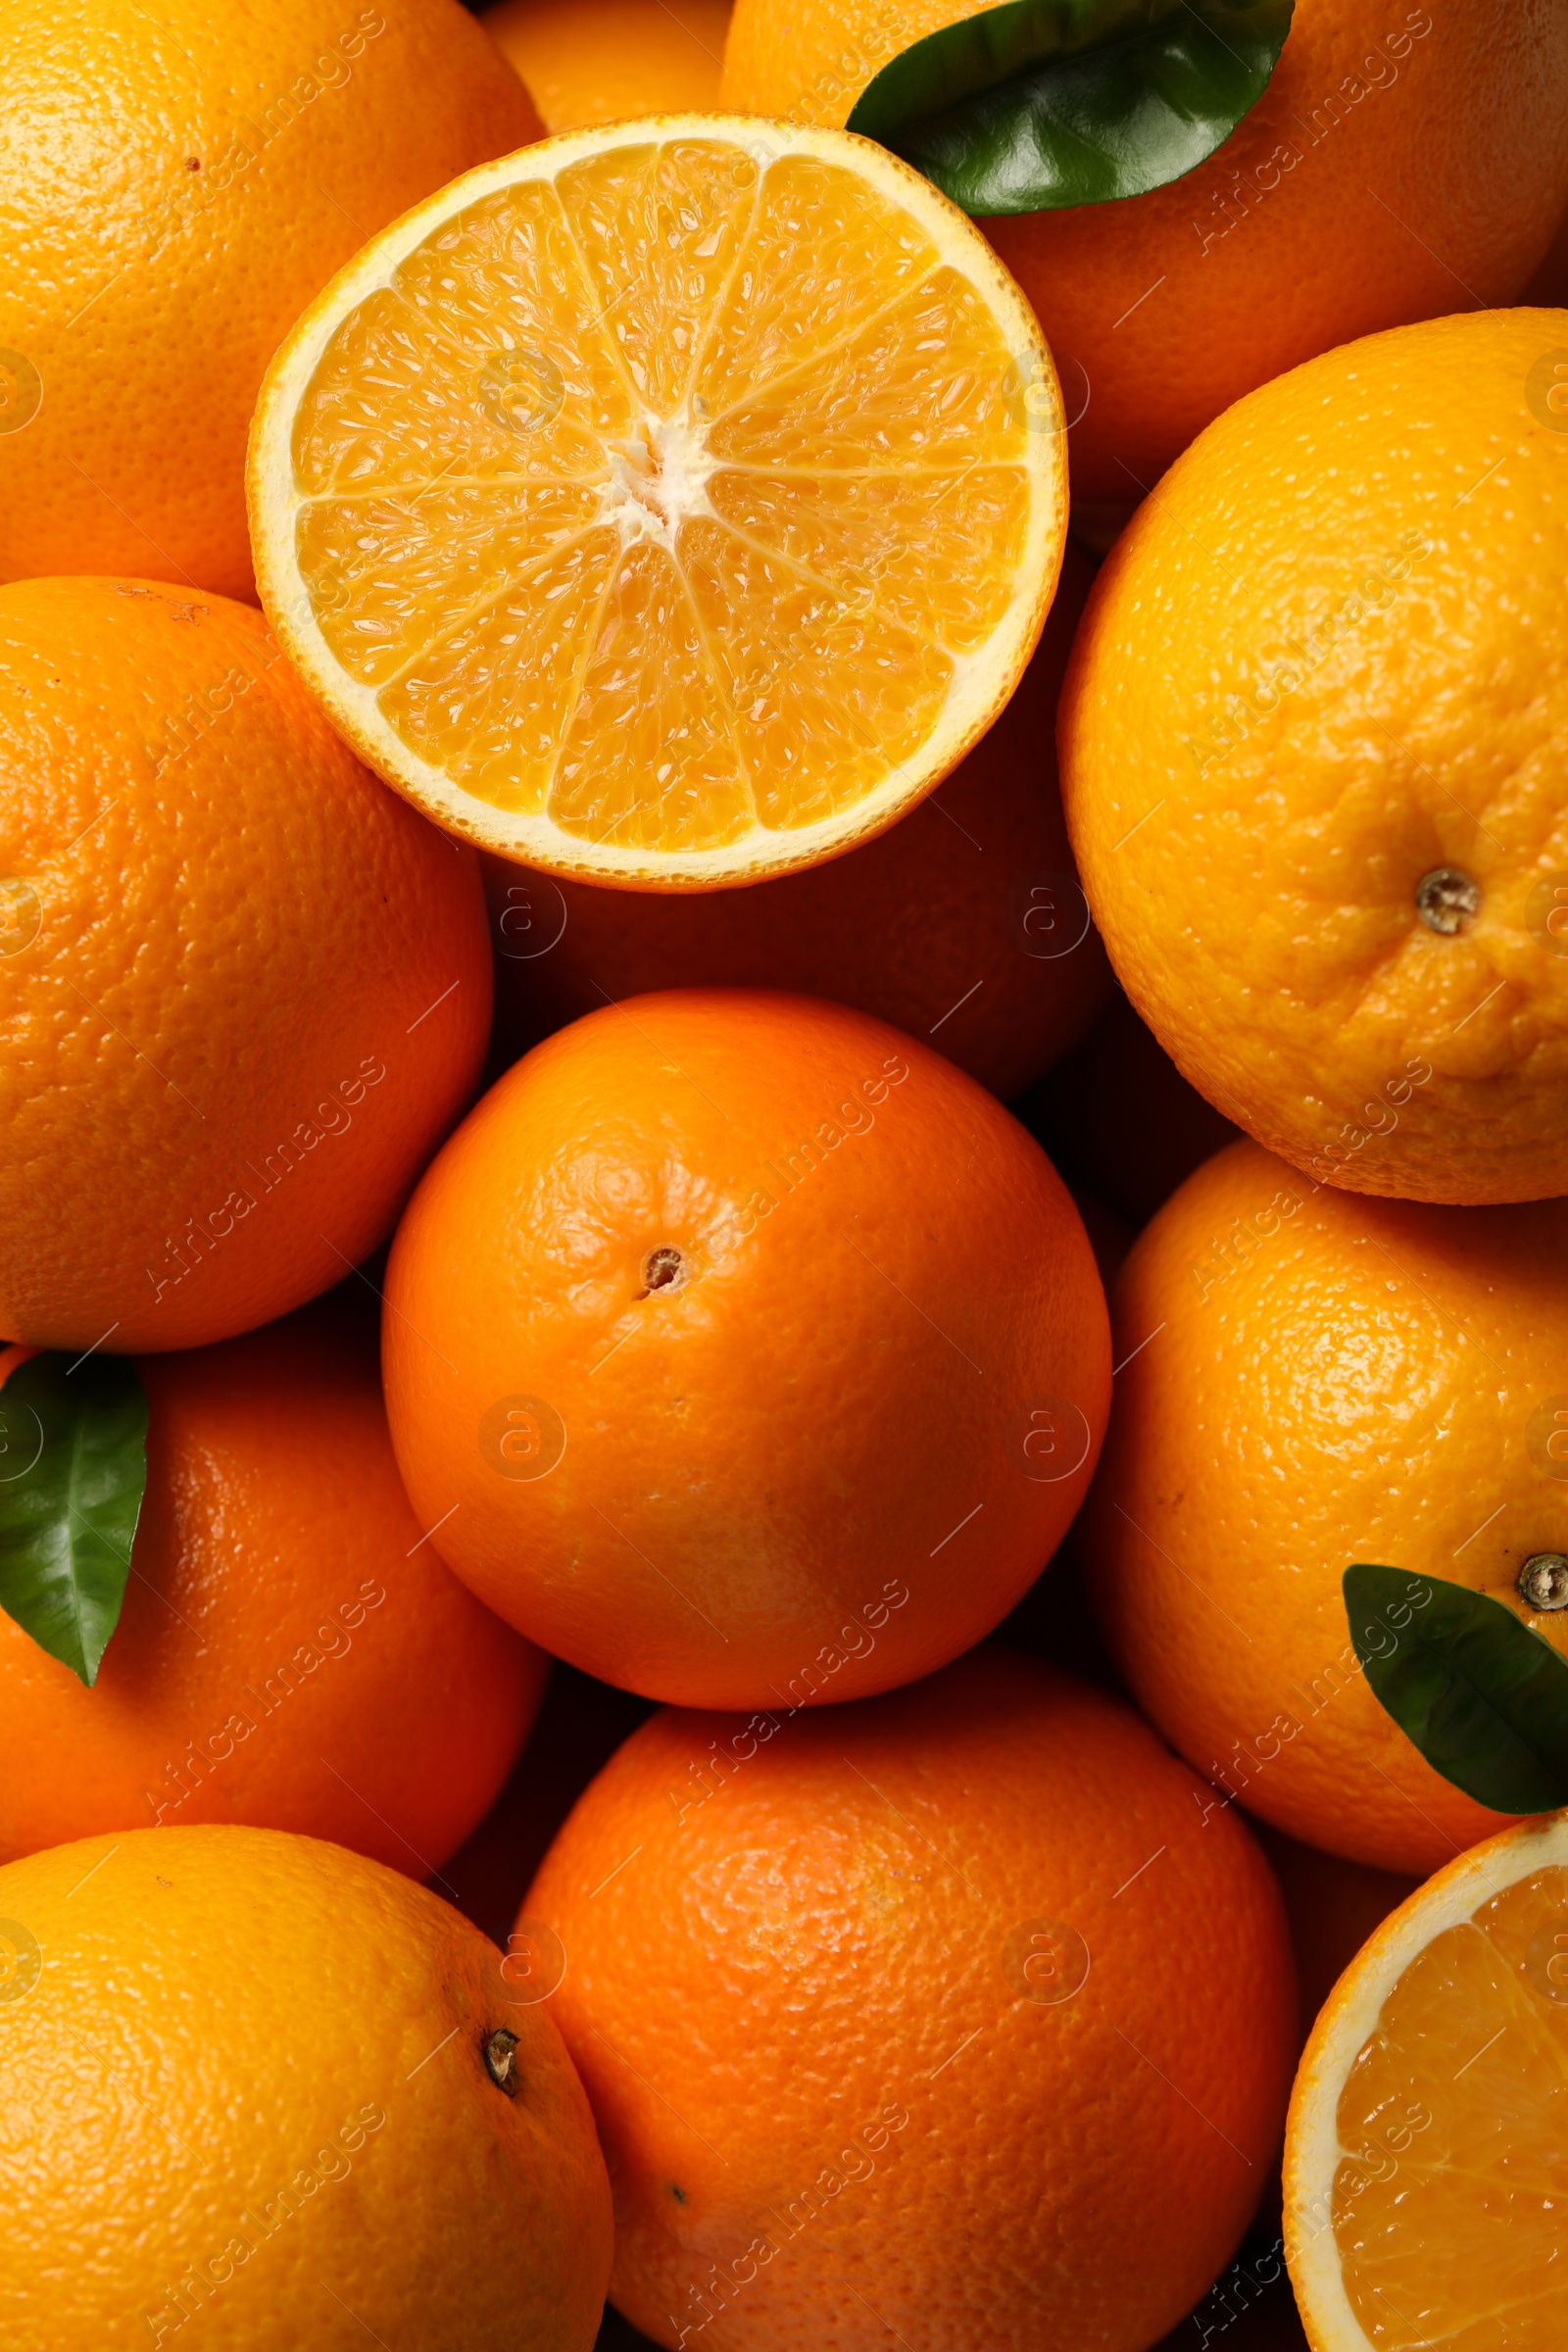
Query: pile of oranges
{"x": 784, "y": 1175}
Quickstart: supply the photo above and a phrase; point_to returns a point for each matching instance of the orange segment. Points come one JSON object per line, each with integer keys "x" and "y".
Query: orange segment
{"x": 805, "y": 283}
{"x": 828, "y": 693}
{"x": 505, "y": 277}
{"x": 491, "y": 701}
{"x": 1427, "y": 2167}
{"x": 934, "y": 551}
{"x": 390, "y": 555}
{"x": 650, "y": 759}
{"x": 660, "y": 504}
{"x": 398, "y": 407}
{"x": 661, "y": 226}
{"x": 928, "y": 384}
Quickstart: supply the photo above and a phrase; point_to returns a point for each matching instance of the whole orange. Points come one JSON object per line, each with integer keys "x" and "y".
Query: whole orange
{"x": 739, "y": 1350}
{"x": 964, "y": 924}
{"x": 289, "y": 1653}
{"x": 244, "y": 990}
{"x": 319, "y": 2101}
{"x": 1311, "y": 1379}
{"x": 178, "y": 184}
{"x": 1310, "y": 752}
{"x": 1427, "y": 143}
{"x": 597, "y": 61}
{"x": 890, "y": 2019}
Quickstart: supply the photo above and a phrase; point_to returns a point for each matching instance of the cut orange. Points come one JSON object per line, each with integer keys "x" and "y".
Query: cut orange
{"x": 669, "y": 504}
{"x": 1426, "y": 2165}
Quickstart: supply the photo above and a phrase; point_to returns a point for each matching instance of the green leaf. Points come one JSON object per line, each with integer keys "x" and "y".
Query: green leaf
{"x": 72, "y": 1470}
{"x": 1045, "y": 103}
{"x": 1481, "y": 1695}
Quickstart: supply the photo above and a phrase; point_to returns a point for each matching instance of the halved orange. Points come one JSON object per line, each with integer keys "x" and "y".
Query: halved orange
{"x": 1426, "y": 2164}
{"x": 672, "y": 504}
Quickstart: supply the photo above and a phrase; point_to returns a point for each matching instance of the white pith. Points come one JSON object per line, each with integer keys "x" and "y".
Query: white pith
{"x": 1312, "y": 2143}
{"x": 658, "y": 480}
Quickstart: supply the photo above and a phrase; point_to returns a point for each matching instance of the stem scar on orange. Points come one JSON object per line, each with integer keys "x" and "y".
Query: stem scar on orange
{"x": 1311, "y": 746}
{"x": 1311, "y": 1377}
{"x": 321, "y": 2105}
{"x": 742, "y": 1350}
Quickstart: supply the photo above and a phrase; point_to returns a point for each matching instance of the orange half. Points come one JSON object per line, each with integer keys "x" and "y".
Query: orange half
{"x": 669, "y": 504}
{"x": 1426, "y": 2162}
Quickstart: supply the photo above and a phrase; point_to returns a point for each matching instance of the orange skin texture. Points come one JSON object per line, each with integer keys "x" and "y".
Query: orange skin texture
{"x": 222, "y": 2014}
{"x": 219, "y": 927}
{"x": 1372, "y": 1380}
{"x": 149, "y": 296}
{"x": 272, "y": 1518}
{"x": 1329, "y": 657}
{"x": 1437, "y": 185}
{"x": 800, "y": 1981}
{"x": 804, "y": 1462}
{"x": 925, "y": 926}
{"x": 599, "y": 61}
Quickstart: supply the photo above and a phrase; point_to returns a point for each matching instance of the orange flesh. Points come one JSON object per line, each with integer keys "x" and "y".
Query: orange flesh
{"x": 1450, "y": 2203}
{"x": 668, "y": 497}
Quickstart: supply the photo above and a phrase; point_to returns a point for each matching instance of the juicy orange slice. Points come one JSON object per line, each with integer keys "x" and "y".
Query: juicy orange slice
{"x": 1426, "y": 2170}
{"x": 669, "y": 504}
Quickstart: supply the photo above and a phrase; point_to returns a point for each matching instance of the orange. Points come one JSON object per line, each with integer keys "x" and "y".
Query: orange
{"x": 964, "y": 924}
{"x": 176, "y": 185}
{"x": 1425, "y": 142}
{"x": 290, "y": 1652}
{"x": 597, "y": 61}
{"x": 244, "y": 990}
{"x": 747, "y": 1352}
{"x": 892, "y": 2017}
{"x": 1311, "y": 746}
{"x": 1305, "y": 1379}
{"x": 672, "y": 505}
{"x": 319, "y": 2101}
{"x": 1424, "y": 2166}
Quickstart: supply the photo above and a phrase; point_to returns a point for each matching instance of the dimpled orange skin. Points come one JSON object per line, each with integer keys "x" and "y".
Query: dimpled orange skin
{"x": 963, "y": 922}
{"x": 827, "y": 1934}
{"x": 177, "y": 186}
{"x": 1434, "y": 157}
{"x": 250, "y": 2075}
{"x": 800, "y": 1466}
{"x": 1370, "y": 1380}
{"x": 244, "y": 989}
{"x": 1331, "y": 658}
{"x": 288, "y": 1653}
